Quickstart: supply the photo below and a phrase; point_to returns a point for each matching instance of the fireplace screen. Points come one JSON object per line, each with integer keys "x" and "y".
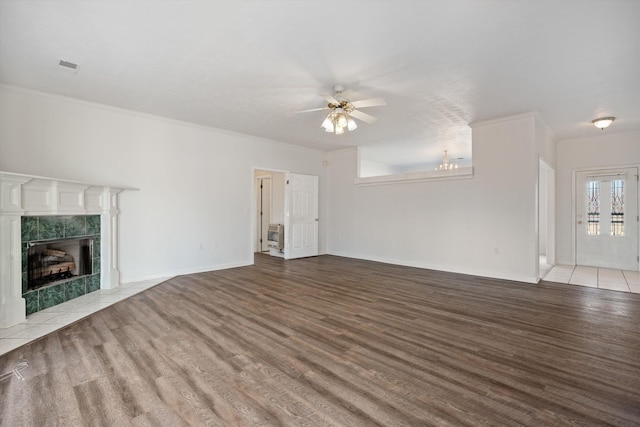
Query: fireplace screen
{"x": 53, "y": 261}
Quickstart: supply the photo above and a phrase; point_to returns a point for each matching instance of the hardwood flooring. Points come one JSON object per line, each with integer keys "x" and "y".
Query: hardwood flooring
{"x": 336, "y": 341}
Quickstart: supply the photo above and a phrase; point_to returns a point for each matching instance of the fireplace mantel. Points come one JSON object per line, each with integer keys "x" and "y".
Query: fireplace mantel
{"x": 29, "y": 195}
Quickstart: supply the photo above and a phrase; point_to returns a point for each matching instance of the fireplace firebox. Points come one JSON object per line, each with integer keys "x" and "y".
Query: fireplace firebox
{"x": 54, "y": 261}
{"x": 61, "y": 258}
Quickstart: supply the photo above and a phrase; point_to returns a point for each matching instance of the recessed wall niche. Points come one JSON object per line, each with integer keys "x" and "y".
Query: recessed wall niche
{"x": 417, "y": 159}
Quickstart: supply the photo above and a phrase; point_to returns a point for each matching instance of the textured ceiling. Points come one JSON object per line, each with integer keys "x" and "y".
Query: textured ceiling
{"x": 248, "y": 66}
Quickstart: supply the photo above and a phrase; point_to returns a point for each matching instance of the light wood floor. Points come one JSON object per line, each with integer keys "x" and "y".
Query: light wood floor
{"x": 335, "y": 341}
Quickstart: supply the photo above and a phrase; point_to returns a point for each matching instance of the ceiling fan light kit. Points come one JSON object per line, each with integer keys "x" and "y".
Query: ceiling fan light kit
{"x": 342, "y": 112}
{"x": 603, "y": 122}
{"x": 339, "y": 119}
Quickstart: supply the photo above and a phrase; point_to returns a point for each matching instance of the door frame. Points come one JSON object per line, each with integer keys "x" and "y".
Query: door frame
{"x": 262, "y": 178}
{"x": 547, "y": 176}
{"x": 574, "y": 201}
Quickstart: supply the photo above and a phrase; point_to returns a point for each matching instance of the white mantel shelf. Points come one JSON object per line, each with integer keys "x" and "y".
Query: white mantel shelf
{"x": 31, "y": 195}
{"x": 68, "y": 181}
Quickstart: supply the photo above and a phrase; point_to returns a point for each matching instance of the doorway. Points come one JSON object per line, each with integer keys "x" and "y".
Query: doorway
{"x": 606, "y": 223}
{"x": 290, "y": 200}
{"x": 268, "y": 193}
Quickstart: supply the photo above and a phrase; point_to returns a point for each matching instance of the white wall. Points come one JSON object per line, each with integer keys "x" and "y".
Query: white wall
{"x": 195, "y": 208}
{"x": 277, "y": 197}
{"x": 369, "y": 168}
{"x": 453, "y": 225}
{"x": 542, "y": 209}
{"x": 604, "y": 149}
{"x": 546, "y": 150}
{"x": 545, "y": 143}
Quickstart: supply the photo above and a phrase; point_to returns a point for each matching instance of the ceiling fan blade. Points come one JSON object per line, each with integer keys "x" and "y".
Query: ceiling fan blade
{"x": 367, "y": 118}
{"x": 330, "y": 99}
{"x": 373, "y": 102}
{"x": 313, "y": 109}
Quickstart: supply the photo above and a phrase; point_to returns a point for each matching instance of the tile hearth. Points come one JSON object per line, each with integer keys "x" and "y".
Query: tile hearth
{"x": 51, "y": 319}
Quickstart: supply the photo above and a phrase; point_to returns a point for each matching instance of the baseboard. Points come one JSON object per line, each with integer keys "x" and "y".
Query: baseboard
{"x": 182, "y": 272}
{"x": 471, "y": 272}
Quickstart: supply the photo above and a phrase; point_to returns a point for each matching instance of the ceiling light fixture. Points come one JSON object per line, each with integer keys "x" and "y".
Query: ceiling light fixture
{"x": 603, "y": 122}
{"x": 342, "y": 111}
{"x": 339, "y": 119}
{"x": 446, "y": 165}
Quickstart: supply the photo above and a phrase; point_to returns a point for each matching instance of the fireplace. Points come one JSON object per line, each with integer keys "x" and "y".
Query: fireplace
{"x": 69, "y": 228}
{"x": 58, "y": 260}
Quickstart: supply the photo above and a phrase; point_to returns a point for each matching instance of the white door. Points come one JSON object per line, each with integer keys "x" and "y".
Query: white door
{"x": 607, "y": 218}
{"x": 263, "y": 185}
{"x": 301, "y": 216}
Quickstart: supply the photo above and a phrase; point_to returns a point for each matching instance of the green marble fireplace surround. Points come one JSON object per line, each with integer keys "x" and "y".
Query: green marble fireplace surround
{"x": 41, "y": 229}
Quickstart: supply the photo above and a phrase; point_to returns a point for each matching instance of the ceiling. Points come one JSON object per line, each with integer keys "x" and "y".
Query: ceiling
{"x": 249, "y": 66}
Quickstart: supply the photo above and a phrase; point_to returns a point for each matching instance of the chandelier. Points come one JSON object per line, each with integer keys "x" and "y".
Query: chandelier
{"x": 446, "y": 165}
{"x": 339, "y": 119}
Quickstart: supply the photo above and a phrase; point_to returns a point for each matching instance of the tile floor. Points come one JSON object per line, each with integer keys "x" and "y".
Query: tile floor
{"x": 46, "y": 321}
{"x": 602, "y": 278}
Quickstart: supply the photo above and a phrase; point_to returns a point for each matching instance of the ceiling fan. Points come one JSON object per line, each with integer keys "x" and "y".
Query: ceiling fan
{"x": 343, "y": 111}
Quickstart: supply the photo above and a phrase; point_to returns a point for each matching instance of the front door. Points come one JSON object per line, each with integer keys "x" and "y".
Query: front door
{"x": 301, "y": 216}
{"x": 607, "y": 218}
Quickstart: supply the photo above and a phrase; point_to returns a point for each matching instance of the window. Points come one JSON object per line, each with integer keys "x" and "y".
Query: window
{"x": 593, "y": 208}
{"x": 617, "y": 207}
